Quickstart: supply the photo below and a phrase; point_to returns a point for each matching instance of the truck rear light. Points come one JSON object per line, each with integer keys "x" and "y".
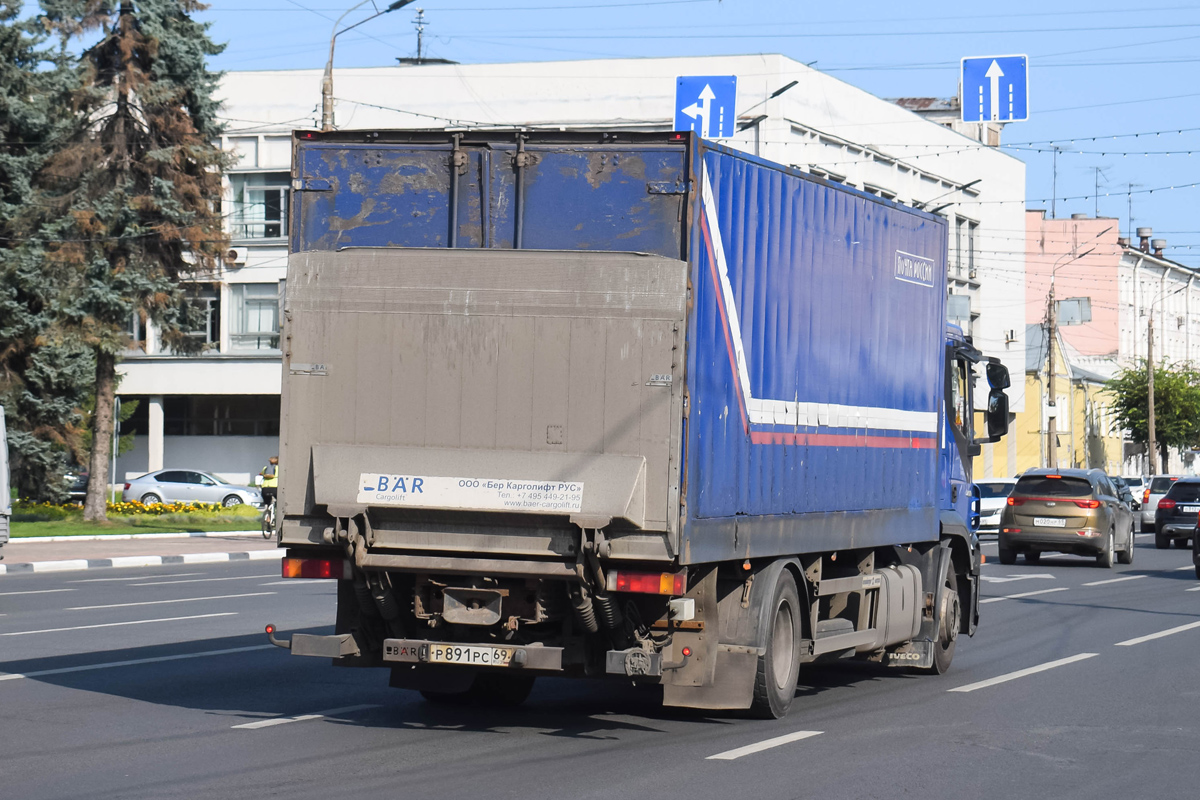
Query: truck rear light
{"x": 316, "y": 568}
{"x": 1166, "y": 503}
{"x": 672, "y": 583}
{"x": 1088, "y": 503}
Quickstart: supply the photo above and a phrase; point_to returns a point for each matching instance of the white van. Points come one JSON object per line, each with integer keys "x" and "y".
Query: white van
{"x": 5, "y": 493}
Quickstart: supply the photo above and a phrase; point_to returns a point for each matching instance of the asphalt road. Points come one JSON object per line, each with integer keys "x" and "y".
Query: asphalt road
{"x": 157, "y": 683}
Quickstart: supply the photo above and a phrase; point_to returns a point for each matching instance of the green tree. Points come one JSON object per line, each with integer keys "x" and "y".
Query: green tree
{"x": 132, "y": 194}
{"x": 43, "y": 381}
{"x": 1176, "y": 405}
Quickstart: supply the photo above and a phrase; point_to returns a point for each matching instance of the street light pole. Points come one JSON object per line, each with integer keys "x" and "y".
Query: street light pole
{"x": 327, "y": 79}
{"x": 1052, "y": 337}
{"x": 1151, "y": 446}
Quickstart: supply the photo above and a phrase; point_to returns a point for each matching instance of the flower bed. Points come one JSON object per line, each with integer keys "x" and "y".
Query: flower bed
{"x": 51, "y": 512}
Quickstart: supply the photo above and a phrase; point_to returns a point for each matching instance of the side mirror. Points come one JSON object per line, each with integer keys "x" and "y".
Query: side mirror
{"x": 997, "y": 411}
{"x": 997, "y": 374}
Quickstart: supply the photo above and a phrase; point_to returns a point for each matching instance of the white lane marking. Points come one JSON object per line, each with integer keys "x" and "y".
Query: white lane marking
{"x": 1023, "y": 594}
{"x": 1115, "y": 580}
{"x": 203, "y": 580}
{"x": 12, "y": 676}
{"x": 1011, "y": 578}
{"x": 1159, "y": 635}
{"x": 1184, "y": 569}
{"x": 36, "y": 591}
{"x": 297, "y": 582}
{"x": 767, "y": 744}
{"x": 1021, "y": 673}
{"x": 269, "y": 723}
{"x": 136, "y": 577}
{"x": 118, "y": 624}
{"x": 1196, "y": 589}
{"x": 164, "y": 602}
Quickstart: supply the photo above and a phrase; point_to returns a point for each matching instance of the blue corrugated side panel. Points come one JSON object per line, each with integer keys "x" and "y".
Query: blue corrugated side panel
{"x": 578, "y": 196}
{"x": 814, "y": 350}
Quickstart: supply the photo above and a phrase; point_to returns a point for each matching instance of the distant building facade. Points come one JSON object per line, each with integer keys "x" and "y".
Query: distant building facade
{"x": 213, "y": 411}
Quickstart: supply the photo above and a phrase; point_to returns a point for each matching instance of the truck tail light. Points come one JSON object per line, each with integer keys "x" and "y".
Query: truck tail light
{"x": 672, "y": 583}
{"x": 1166, "y": 503}
{"x": 1088, "y": 503}
{"x": 337, "y": 568}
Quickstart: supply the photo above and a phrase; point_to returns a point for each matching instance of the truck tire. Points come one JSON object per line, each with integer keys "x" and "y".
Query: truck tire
{"x": 1007, "y": 556}
{"x": 949, "y": 619}
{"x": 779, "y": 665}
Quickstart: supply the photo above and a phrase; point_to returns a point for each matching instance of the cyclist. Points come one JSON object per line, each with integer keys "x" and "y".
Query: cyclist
{"x": 270, "y": 480}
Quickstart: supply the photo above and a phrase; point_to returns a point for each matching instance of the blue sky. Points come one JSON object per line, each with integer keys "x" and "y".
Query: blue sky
{"x": 1110, "y": 85}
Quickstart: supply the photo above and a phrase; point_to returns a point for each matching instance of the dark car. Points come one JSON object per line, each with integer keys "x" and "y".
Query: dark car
{"x": 1176, "y": 515}
{"x": 77, "y": 485}
{"x": 1074, "y": 511}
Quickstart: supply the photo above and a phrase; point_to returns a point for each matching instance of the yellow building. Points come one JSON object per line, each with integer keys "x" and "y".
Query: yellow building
{"x": 1086, "y": 431}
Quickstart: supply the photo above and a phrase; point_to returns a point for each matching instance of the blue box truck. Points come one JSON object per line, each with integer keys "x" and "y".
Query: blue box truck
{"x": 612, "y": 404}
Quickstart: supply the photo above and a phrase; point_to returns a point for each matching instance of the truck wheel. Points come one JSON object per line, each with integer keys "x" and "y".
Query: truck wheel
{"x": 1007, "y": 556}
{"x": 1105, "y": 557}
{"x": 779, "y": 665}
{"x": 949, "y": 619}
{"x": 1161, "y": 542}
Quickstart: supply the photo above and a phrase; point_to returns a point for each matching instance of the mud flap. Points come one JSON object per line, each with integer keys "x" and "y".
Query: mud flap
{"x": 732, "y": 688}
{"x": 699, "y": 669}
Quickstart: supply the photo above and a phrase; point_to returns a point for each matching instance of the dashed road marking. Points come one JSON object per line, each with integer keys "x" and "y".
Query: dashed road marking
{"x": 767, "y": 744}
{"x": 136, "y": 577}
{"x": 118, "y": 624}
{"x": 1159, "y": 635}
{"x": 35, "y": 591}
{"x": 203, "y": 580}
{"x": 164, "y": 602}
{"x": 270, "y": 723}
{"x": 1023, "y": 594}
{"x": 1011, "y": 578}
{"x": 12, "y": 676}
{"x": 1021, "y": 673}
{"x": 1115, "y": 580}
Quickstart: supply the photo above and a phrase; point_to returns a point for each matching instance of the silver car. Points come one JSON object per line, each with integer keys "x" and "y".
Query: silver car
{"x": 1156, "y": 489}
{"x": 189, "y": 486}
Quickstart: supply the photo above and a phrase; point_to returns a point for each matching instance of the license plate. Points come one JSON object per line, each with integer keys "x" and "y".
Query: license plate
{"x": 472, "y": 654}
{"x": 1191, "y": 509}
{"x": 1049, "y": 522}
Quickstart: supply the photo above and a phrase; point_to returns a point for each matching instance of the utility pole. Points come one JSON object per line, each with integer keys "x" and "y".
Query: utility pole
{"x": 1054, "y": 185}
{"x": 1052, "y": 401}
{"x": 327, "y": 78}
{"x": 1151, "y": 444}
{"x": 420, "y": 23}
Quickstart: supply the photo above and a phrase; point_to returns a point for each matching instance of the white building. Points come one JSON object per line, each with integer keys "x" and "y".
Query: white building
{"x": 201, "y": 410}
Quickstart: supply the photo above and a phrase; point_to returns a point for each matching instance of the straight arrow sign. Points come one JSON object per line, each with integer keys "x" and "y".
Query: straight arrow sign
{"x": 994, "y": 74}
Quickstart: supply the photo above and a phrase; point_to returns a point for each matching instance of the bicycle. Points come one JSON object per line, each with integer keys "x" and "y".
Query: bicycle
{"x": 268, "y": 518}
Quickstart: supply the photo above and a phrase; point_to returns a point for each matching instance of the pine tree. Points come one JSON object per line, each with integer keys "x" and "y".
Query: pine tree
{"x": 134, "y": 191}
{"x": 43, "y": 382}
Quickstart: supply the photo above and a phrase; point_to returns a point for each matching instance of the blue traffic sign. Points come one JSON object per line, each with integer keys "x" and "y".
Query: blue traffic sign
{"x": 995, "y": 89}
{"x": 705, "y": 105}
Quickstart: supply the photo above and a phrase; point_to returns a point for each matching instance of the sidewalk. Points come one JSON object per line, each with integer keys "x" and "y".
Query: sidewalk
{"x": 58, "y": 556}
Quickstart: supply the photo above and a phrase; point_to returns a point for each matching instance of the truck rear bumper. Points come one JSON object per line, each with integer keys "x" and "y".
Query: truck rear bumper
{"x": 508, "y": 657}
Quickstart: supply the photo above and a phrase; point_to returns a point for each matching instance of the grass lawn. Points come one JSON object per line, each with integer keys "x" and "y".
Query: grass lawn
{"x": 241, "y": 518}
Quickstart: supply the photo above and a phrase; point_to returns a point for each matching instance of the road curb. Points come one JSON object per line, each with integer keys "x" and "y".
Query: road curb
{"x": 72, "y": 565}
{"x": 121, "y": 537}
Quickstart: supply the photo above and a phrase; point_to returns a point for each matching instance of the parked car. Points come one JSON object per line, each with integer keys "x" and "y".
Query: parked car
{"x": 992, "y": 496}
{"x": 1066, "y": 511}
{"x": 1128, "y": 492}
{"x": 77, "y": 484}
{"x": 1156, "y": 489}
{"x": 1177, "y": 513}
{"x": 187, "y": 486}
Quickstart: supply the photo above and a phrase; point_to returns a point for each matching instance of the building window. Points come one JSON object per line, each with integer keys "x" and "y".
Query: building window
{"x": 203, "y": 302}
{"x": 254, "y": 317}
{"x": 221, "y": 415}
{"x": 259, "y": 209}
